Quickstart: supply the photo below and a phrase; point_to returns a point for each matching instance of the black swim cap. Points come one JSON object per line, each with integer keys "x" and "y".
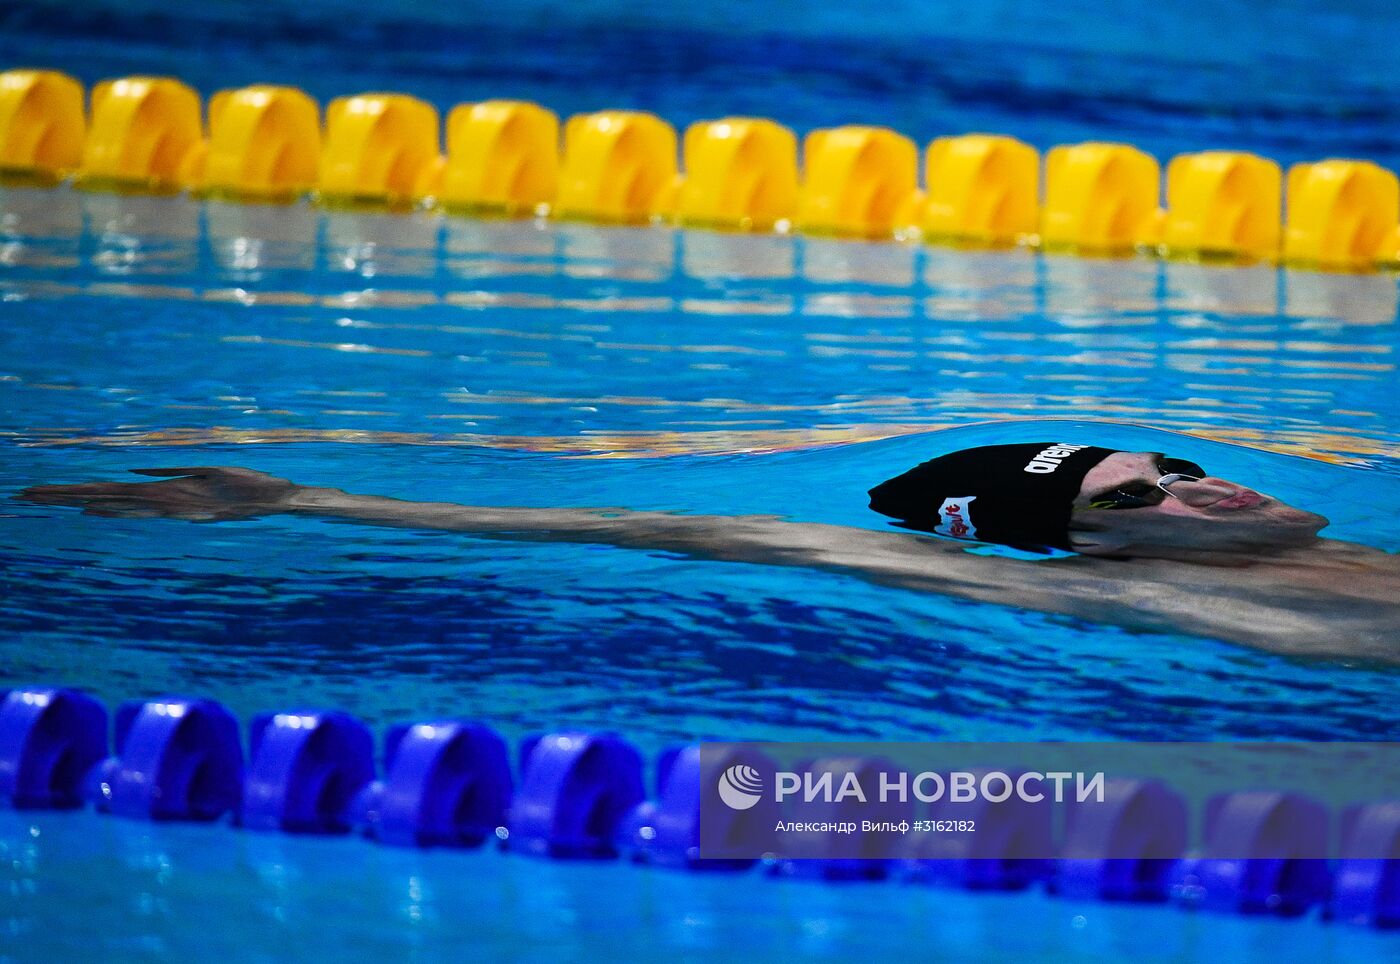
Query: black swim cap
{"x": 1016, "y": 495}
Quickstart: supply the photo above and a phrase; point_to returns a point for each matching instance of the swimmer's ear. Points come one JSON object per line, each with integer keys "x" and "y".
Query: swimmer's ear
{"x": 1096, "y": 546}
{"x": 1092, "y": 541}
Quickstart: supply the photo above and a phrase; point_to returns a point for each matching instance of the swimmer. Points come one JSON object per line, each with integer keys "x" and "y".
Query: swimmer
{"x": 1154, "y": 543}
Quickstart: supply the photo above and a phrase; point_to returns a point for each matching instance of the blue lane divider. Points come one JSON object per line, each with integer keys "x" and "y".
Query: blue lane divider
{"x": 1144, "y": 818}
{"x": 1278, "y": 826}
{"x": 576, "y": 790}
{"x": 448, "y": 785}
{"x": 176, "y": 760}
{"x": 667, "y": 831}
{"x": 983, "y": 860}
{"x": 1366, "y": 889}
{"x": 581, "y": 795}
{"x": 50, "y": 739}
{"x": 307, "y": 768}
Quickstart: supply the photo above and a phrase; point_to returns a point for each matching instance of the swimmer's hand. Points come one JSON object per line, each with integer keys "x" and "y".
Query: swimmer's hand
{"x": 201, "y": 494}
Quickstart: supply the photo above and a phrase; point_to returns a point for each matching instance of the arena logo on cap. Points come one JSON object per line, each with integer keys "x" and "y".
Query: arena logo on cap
{"x": 953, "y": 519}
{"x": 1048, "y": 460}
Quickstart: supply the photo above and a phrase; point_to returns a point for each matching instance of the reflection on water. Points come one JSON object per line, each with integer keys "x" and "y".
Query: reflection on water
{"x": 1246, "y": 290}
{"x": 261, "y": 237}
{"x": 521, "y": 312}
{"x": 39, "y": 228}
{"x": 1101, "y": 292}
{"x": 861, "y": 262}
{"x": 1331, "y": 299}
{"x": 162, "y": 883}
{"x": 984, "y": 286}
{"x": 475, "y": 249}
{"x": 138, "y": 234}
{"x": 718, "y": 256}
{"x": 617, "y": 253}
{"x": 371, "y": 243}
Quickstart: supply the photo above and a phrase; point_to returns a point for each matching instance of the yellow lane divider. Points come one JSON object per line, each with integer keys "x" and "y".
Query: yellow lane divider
{"x": 982, "y": 188}
{"x": 740, "y": 172}
{"x": 502, "y": 158}
{"x": 264, "y": 145}
{"x": 269, "y": 143}
{"x": 379, "y": 149}
{"x": 146, "y": 135}
{"x": 619, "y": 166}
{"x": 42, "y": 124}
{"x": 858, "y": 181}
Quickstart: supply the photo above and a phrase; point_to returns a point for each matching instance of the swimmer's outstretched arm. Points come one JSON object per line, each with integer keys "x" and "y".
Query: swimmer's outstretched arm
{"x": 224, "y": 493}
{"x": 1280, "y": 605}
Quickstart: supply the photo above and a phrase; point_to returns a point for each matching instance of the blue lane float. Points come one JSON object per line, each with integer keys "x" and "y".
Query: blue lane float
{"x": 307, "y": 769}
{"x": 1274, "y": 880}
{"x": 985, "y": 860}
{"x": 49, "y": 741}
{"x": 668, "y": 831}
{"x": 576, "y": 790}
{"x": 1366, "y": 888}
{"x": 176, "y": 759}
{"x": 1143, "y": 818}
{"x": 449, "y": 783}
{"x": 838, "y": 856}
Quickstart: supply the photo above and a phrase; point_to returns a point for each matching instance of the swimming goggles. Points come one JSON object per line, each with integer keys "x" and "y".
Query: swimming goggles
{"x": 1139, "y": 494}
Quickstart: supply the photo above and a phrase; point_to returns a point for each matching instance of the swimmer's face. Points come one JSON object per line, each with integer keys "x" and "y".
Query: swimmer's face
{"x": 1209, "y": 514}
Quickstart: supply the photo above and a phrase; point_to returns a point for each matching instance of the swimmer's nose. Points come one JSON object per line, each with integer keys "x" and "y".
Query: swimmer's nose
{"x": 1206, "y": 491}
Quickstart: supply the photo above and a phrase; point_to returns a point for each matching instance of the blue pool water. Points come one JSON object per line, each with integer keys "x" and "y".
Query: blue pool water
{"x": 504, "y": 363}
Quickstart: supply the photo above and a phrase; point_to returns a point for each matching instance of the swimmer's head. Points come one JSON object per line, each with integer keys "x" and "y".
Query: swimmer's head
{"x": 1057, "y": 495}
{"x": 1197, "y": 511}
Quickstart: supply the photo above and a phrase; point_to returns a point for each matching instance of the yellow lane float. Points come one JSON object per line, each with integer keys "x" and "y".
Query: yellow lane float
{"x": 982, "y": 188}
{"x": 146, "y": 134}
{"x": 618, "y": 166}
{"x": 857, "y": 181}
{"x": 1223, "y": 204}
{"x": 264, "y": 144}
{"x": 1341, "y": 214}
{"x": 740, "y": 172}
{"x": 502, "y": 157}
{"x": 42, "y": 125}
{"x": 379, "y": 149}
{"x": 1100, "y": 199}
